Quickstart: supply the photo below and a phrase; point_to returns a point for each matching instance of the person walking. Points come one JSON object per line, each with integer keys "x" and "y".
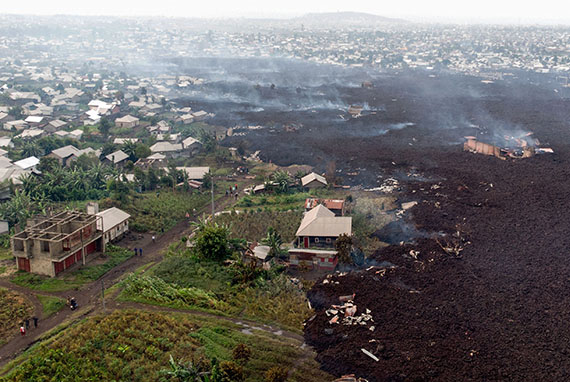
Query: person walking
{"x": 140, "y": 252}
{"x": 27, "y": 322}
{"x": 35, "y": 321}
{"x": 22, "y": 330}
{"x": 153, "y": 239}
{"x": 135, "y": 251}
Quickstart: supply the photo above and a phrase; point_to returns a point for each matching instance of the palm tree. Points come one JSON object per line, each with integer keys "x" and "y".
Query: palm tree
{"x": 184, "y": 372}
{"x": 130, "y": 148}
{"x": 282, "y": 179}
{"x": 274, "y": 241}
{"x": 31, "y": 149}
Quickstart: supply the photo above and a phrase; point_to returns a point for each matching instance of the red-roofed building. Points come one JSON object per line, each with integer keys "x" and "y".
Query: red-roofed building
{"x": 335, "y": 205}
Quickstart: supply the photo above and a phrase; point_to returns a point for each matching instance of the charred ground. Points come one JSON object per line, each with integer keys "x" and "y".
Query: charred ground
{"x": 500, "y": 310}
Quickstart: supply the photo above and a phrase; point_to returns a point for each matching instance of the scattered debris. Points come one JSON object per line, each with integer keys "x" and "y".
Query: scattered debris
{"x": 370, "y": 355}
{"x": 350, "y": 378}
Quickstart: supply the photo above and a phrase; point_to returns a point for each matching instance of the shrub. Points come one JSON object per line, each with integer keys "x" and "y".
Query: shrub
{"x": 276, "y": 374}
{"x": 241, "y": 353}
{"x": 231, "y": 372}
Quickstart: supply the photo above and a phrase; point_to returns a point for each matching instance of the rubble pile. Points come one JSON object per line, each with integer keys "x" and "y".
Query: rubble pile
{"x": 346, "y": 314}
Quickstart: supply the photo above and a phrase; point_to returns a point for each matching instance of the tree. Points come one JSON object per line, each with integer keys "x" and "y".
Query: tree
{"x": 31, "y": 149}
{"x": 107, "y": 149}
{"x": 343, "y": 245}
{"x": 142, "y": 151}
{"x": 208, "y": 141}
{"x": 119, "y": 190}
{"x": 281, "y": 179}
{"x": 129, "y": 148}
{"x": 207, "y": 181}
{"x": 16, "y": 112}
{"x": 18, "y": 209}
{"x": 298, "y": 175}
{"x": 212, "y": 242}
{"x": 104, "y": 125}
{"x": 274, "y": 241}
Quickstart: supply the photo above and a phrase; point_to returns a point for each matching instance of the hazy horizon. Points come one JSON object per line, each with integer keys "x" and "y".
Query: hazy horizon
{"x": 443, "y": 11}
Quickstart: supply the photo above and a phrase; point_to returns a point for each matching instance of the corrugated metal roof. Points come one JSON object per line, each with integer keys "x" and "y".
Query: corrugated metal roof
{"x": 117, "y": 156}
{"x": 127, "y": 118}
{"x": 320, "y": 221}
{"x": 160, "y": 147}
{"x": 111, "y": 217}
{"x": 27, "y": 162}
{"x": 312, "y": 177}
{"x": 66, "y": 151}
{"x": 195, "y": 173}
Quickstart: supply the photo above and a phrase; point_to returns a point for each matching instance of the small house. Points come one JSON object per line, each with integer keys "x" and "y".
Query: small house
{"x": 114, "y": 223}
{"x": 320, "y": 228}
{"x": 65, "y": 155}
{"x": 128, "y": 121}
{"x": 191, "y": 144}
{"x": 167, "y": 148}
{"x": 118, "y": 158}
{"x": 313, "y": 180}
{"x": 199, "y": 115}
{"x": 194, "y": 173}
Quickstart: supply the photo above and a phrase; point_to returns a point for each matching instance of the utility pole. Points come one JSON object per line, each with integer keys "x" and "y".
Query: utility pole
{"x": 103, "y": 293}
{"x": 212, "y": 186}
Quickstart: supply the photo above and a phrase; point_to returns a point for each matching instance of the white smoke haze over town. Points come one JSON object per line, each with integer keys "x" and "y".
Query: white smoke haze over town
{"x": 507, "y": 11}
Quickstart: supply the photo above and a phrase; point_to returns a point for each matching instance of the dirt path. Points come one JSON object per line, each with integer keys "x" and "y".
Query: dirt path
{"x": 88, "y": 296}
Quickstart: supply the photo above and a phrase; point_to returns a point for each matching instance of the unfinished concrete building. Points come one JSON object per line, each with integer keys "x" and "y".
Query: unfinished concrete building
{"x": 51, "y": 244}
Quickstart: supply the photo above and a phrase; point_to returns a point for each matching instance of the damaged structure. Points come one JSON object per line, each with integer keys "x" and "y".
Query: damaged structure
{"x": 51, "y": 244}
{"x": 517, "y": 148}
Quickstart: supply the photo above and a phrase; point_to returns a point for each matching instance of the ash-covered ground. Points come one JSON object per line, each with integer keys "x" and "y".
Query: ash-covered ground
{"x": 496, "y": 310}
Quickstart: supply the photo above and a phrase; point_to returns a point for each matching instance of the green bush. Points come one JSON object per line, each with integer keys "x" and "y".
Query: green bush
{"x": 276, "y": 374}
{"x": 241, "y": 353}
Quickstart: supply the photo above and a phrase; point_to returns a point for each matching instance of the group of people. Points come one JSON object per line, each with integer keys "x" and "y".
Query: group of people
{"x": 25, "y": 325}
{"x": 71, "y": 303}
{"x": 138, "y": 251}
{"x": 232, "y": 191}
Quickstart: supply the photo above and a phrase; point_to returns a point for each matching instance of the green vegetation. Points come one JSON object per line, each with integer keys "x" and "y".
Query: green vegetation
{"x": 138, "y": 346}
{"x": 13, "y": 309}
{"x": 50, "y": 304}
{"x": 75, "y": 279}
{"x": 285, "y": 201}
{"x": 186, "y": 282}
{"x": 5, "y": 250}
{"x": 161, "y": 211}
{"x": 253, "y": 226}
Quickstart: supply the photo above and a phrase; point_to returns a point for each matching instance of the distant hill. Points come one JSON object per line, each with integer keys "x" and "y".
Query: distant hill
{"x": 347, "y": 18}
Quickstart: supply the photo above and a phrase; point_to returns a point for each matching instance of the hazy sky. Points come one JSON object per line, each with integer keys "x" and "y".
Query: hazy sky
{"x": 430, "y": 10}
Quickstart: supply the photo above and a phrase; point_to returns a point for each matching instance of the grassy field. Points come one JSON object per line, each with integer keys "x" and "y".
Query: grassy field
{"x": 73, "y": 279}
{"x": 13, "y": 309}
{"x": 50, "y": 304}
{"x": 186, "y": 283}
{"x": 152, "y": 213}
{"x": 253, "y": 226}
{"x": 135, "y": 345}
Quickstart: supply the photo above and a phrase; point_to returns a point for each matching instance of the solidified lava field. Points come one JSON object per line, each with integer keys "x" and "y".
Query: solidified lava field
{"x": 500, "y": 310}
